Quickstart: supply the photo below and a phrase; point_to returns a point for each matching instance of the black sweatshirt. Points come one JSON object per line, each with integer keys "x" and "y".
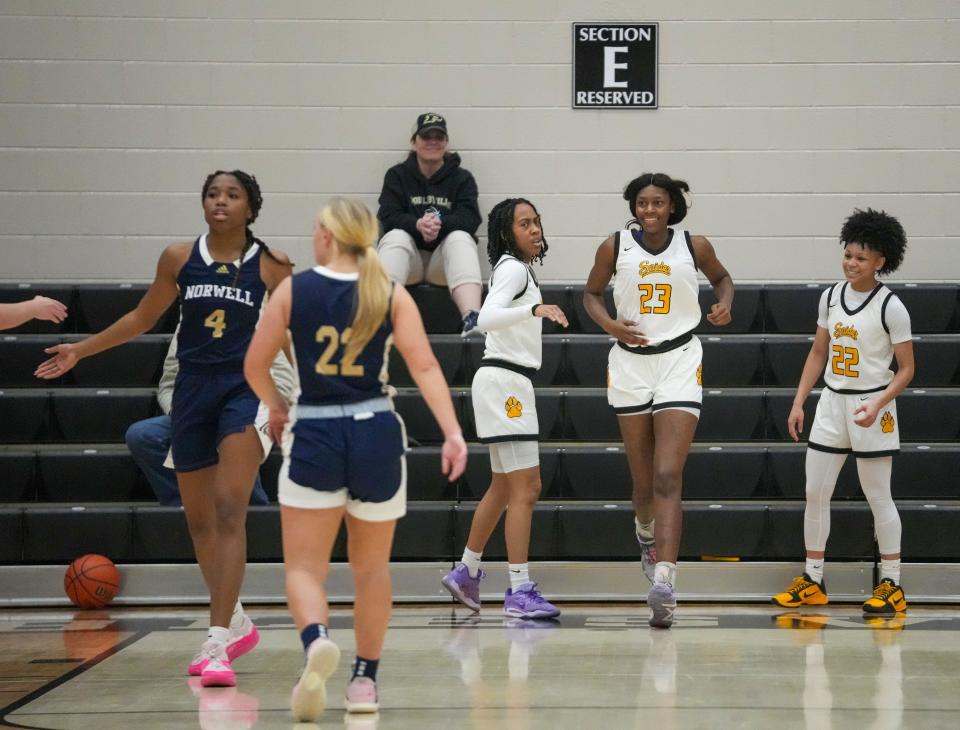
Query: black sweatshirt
{"x": 407, "y": 194}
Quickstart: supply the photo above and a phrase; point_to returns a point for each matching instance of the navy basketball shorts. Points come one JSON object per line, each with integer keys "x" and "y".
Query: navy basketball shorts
{"x": 206, "y": 408}
{"x": 353, "y": 461}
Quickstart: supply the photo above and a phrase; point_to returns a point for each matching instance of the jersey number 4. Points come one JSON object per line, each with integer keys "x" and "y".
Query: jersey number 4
{"x": 659, "y": 294}
{"x": 334, "y": 339}
{"x": 217, "y": 321}
{"x": 845, "y": 360}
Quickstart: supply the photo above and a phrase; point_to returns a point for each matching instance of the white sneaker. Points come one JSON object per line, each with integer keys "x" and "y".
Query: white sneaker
{"x": 309, "y": 698}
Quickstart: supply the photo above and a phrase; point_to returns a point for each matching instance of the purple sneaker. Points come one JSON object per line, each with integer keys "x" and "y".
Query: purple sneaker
{"x": 526, "y": 602}
{"x": 462, "y": 587}
{"x": 648, "y": 555}
{"x": 662, "y": 603}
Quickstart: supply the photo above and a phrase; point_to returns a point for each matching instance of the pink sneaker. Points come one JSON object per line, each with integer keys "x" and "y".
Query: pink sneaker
{"x": 309, "y": 697}
{"x": 242, "y": 639}
{"x": 362, "y": 695}
{"x": 217, "y": 672}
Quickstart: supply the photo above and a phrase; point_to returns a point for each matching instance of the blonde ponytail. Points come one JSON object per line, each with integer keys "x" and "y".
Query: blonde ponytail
{"x": 355, "y": 230}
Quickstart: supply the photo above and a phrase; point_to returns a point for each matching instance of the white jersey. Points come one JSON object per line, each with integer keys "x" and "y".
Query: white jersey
{"x": 658, "y": 291}
{"x": 863, "y": 329}
{"x": 514, "y": 334}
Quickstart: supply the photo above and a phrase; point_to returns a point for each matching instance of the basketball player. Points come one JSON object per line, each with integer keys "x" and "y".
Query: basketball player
{"x": 861, "y": 327}
{"x": 344, "y": 459}
{"x": 505, "y": 409}
{"x": 654, "y": 382}
{"x": 221, "y": 279}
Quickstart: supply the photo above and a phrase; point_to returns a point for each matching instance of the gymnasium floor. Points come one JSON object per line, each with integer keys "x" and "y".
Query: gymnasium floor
{"x": 600, "y": 667}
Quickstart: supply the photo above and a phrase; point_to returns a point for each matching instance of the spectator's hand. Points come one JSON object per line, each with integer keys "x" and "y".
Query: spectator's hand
{"x": 453, "y": 456}
{"x": 277, "y": 422}
{"x": 64, "y": 358}
{"x": 627, "y": 332}
{"x": 795, "y": 422}
{"x": 48, "y": 309}
{"x": 551, "y": 312}
{"x": 719, "y": 315}
{"x": 866, "y": 414}
{"x": 429, "y": 227}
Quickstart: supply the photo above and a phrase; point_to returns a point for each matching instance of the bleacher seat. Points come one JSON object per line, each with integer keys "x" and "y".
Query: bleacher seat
{"x": 449, "y": 352}
{"x": 930, "y": 531}
{"x": 440, "y": 315}
{"x": 926, "y": 471}
{"x": 596, "y": 473}
{"x": 732, "y": 362}
{"x": 936, "y": 360}
{"x": 425, "y": 482}
{"x": 792, "y": 308}
{"x": 787, "y": 474}
{"x": 561, "y": 296}
{"x": 725, "y": 473}
{"x": 100, "y": 305}
{"x": 589, "y": 417}
{"x": 98, "y": 473}
{"x": 425, "y": 533}
{"x": 581, "y": 322}
{"x": 161, "y": 534}
{"x": 11, "y": 527}
{"x": 543, "y": 536}
{"x": 723, "y": 530}
{"x": 778, "y": 405}
{"x": 19, "y": 357}
{"x": 734, "y": 414}
{"x": 931, "y": 414}
{"x": 101, "y": 414}
{"x": 933, "y": 308}
{"x": 784, "y": 357}
{"x": 587, "y": 359}
{"x": 851, "y": 532}
{"x": 131, "y": 365}
{"x": 24, "y": 415}
{"x": 19, "y": 469}
{"x": 59, "y": 534}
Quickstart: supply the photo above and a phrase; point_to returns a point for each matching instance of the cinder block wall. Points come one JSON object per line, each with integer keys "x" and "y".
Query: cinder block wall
{"x": 783, "y": 116}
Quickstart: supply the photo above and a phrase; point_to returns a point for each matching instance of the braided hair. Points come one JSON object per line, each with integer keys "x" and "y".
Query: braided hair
{"x": 500, "y": 238}
{"x": 677, "y": 190}
{"x": 254, "y": 200}
{"x": 878, "y": 231}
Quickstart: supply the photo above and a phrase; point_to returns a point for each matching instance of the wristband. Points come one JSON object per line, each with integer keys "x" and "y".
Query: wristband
{"x": 533, "y": 309}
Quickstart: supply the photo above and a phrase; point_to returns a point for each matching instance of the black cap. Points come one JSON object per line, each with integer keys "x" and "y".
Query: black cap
{"x": 431, "y": 120}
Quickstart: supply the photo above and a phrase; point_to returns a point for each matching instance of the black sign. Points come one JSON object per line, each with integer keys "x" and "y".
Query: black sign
{"x": 615, "y": 65}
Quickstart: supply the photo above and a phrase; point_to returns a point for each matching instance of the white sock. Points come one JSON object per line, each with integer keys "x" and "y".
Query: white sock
{"x": 236, "y": 620}
{"x": 814, "y": 568}
{"x": 519, "y": 574}
{"x": 890, "y": 569}
{"x": 665, "y": 572}
{"x": 219, "y": 634}
{"x": 644, "y": 529}
{"x": 472, "y": 561}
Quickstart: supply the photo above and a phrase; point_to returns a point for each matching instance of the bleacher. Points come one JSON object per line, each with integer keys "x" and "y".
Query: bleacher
{"x": 68, "y": 485}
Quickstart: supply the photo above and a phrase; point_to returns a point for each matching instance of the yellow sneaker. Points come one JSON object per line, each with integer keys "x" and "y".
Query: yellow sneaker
{"x": 804, "y": 591}
{"x": 887, "y": 600}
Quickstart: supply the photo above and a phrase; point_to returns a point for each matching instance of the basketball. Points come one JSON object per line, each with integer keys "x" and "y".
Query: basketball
{"x": 91, "y": 581}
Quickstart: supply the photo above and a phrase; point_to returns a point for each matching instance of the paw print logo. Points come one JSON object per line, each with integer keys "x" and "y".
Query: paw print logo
{"x": 700, "y": 375}
{"x": 513, "y": 407}
{"x": 886, "y": 422}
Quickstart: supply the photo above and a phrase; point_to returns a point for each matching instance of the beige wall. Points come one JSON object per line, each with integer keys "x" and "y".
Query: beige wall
{"x": 783, "y": 116}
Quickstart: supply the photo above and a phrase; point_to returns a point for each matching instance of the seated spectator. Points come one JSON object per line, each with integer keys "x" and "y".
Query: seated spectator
{"x": 14, "y": 315}
{"x": 149, "y": 439}
{"x": 429, "y": 212}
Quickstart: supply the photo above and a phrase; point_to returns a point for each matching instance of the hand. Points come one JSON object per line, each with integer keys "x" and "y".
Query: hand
{"x": 453, "y": 456}
{"x": 868, "y": 411}
{"x": 429, "y": 226}
{"x": 627, "y": 332}
{"x": 551, "y": 312}
{"x": 277, "y": 422}
{"x": 48, "y": 309}
{"x": 719, "y": 315}
{"x": 795, "y": 422}
{"x": 63, "y": 360}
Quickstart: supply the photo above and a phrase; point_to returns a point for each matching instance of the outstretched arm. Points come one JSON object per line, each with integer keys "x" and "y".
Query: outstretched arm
{"x": 161, "y": 294}
{"x": 14, "y": 315}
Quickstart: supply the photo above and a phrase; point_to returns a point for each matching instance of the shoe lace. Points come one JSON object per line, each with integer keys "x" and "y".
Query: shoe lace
{"x": 884, "y": 591}
{"x": 800, "y": 583}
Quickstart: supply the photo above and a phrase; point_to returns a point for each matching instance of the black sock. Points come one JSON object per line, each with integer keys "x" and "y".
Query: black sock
{"x": 312, "y": 633}
{"x": 365, "y": 668}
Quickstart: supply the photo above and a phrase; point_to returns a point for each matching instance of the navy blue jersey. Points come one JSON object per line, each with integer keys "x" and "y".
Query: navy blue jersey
{"x": 321, "y": 313}
{"x": 218, "y": 309}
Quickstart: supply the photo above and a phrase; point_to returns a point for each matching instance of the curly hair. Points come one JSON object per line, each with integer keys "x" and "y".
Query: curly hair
{"x": 677, "y": 190}
{"x": 500, "y": 238}
{"x": 878, "y": 231}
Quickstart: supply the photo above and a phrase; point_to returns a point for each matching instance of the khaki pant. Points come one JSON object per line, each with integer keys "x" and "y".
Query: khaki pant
{"x": 452, "y": 263}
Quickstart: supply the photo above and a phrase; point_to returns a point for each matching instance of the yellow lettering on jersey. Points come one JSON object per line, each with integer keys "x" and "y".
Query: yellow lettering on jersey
{"x": 648, "y": 292}
{"x": 657, "y": 267}
{"x": 346, "y": 367}
{"x": 845, "y": 360}
{"x": 839, "y": 330}
{"x": 217, "y": 321}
